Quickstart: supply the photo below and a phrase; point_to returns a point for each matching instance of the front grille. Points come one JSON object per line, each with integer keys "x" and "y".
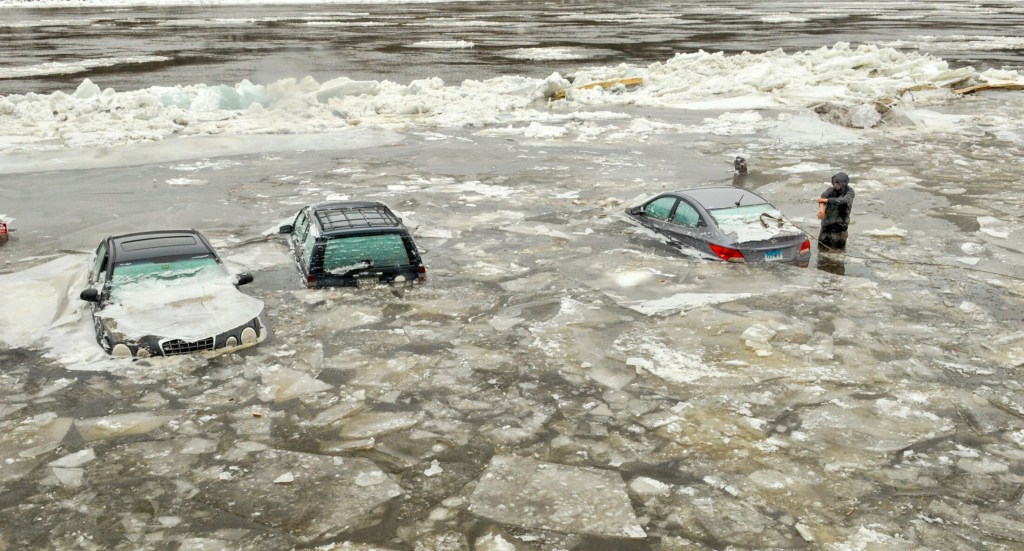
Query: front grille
{"x": 174, "y": 347}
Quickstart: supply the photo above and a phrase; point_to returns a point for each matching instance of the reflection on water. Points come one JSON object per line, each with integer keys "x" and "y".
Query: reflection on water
{"x": 832, "y": 263}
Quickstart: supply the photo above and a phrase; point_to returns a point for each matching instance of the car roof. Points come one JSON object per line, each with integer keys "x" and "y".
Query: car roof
{"x": 712, "y": 198}
{"x": 157, "y": 244}
{"x": 341, "y": 216}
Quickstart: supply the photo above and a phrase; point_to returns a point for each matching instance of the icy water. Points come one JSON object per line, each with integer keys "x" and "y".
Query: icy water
{"x": 564, "y": 379}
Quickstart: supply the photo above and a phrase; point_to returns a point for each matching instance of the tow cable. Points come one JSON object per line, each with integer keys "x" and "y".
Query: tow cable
{"x": 778, "y": 221}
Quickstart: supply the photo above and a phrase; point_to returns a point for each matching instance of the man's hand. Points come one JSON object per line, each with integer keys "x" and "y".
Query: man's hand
{"x": 821, "y": 210}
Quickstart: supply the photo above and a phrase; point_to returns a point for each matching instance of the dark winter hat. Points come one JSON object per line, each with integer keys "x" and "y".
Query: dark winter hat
{"x": 840, "y": 178}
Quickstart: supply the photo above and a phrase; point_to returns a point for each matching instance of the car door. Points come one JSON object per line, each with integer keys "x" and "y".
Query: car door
{"x": 687, "y": 227}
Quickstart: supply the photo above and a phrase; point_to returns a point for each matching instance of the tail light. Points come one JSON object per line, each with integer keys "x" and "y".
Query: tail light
{"x": 311, "y": 280}
{"x": 805, "y": 246}
{"x": 421, "y": 270}
{"x": 727, "y": 254}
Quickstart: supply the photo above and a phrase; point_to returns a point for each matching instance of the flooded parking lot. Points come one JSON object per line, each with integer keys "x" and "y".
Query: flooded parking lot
{"x": 564, "y": 379}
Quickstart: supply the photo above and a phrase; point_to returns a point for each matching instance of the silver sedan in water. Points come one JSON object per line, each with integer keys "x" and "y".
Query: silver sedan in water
{"x": 724, "y": 223}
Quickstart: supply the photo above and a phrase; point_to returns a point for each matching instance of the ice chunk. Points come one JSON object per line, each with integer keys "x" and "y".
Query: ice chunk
{"x": 888, "y": 232}
{"x": 434, "y": 469}
{"x": 71, "y": 478}
{"x": 549, "y": 496}
{"x": 373, "y": 423}
{"x": 251, "y": 493}
{"x": 649, "y": 487}
{"x": 993, "y": 226}
{"x": 76, "y": 459}
{"x": 283, "y": 384}
{"x": 115, "y": 426}
{"x": 683, "y": 302}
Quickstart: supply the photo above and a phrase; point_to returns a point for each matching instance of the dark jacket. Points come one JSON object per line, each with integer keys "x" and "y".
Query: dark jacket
{"x": 838, "y": 208}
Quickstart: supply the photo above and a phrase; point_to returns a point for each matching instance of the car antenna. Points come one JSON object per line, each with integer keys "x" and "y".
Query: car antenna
{"x": 740, "y": 200}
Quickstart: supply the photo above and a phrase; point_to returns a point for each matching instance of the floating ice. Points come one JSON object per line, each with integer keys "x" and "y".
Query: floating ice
{"x": 442, "y": 44}
{"x": 76, "y": 459}
{"x": 993, "y": 226}
{"x": 683, "y": 302}
{"x": 253, "y": 494}
{"x": 887, "y": 232}
{"x": 549, "y": 496}
{"x": 123, "y": 424}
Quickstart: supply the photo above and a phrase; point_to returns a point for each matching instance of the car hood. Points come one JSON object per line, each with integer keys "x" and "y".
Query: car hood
{"x": 189, "y": 312}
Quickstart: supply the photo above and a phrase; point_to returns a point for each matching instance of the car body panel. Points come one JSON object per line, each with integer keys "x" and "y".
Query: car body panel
{"x": 698, "y": 220}
{"x": 353, "y": 243}
{"x": 167, "y": 292}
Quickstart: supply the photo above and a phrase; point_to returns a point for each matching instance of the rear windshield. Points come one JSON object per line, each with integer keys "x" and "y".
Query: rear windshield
{"x": 747, "y": 213}
{"x": 343, "y": 254}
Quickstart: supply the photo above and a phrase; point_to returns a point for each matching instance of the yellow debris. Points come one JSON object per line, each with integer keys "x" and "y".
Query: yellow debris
{"x": 630, "y": 81}
{"x": 983, "y": 87}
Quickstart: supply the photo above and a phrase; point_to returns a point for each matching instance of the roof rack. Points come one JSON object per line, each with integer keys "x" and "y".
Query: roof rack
{"x": 334, "y": 218}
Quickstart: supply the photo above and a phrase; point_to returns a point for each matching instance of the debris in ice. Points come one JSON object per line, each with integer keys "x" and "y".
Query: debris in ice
{"x": 286, "y": 478}
{"x": 434, "y": 469}
{"x": 124, "y": 424}
{"x": 549, "y": 496}
{"x": 968, "y": 260}
{"x": 888, "y": 232}
{"x": 76, "y": 459}
{"x": 251, "y": 493}
{"x": 993, "y": 226}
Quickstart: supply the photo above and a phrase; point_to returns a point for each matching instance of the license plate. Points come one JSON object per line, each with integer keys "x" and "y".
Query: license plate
{"x": 367, "y": 282}
{"x": 774, "y": 254}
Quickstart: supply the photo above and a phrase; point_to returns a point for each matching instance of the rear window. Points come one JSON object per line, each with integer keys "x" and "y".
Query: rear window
{"x": 342, "y": 254}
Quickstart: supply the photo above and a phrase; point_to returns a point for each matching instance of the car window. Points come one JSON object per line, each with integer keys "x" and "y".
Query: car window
{"x": 686, "y": 215}
{"x": 660, "y": 208}
{"x": 307, "y": 246}
{"x": 343, "y": 254}
{"x": 301, "y": 226}
{"x": 99, "y": 268}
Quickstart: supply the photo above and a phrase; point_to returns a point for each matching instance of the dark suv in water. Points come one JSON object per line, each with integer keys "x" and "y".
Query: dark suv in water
{"x": 353, "y": 243}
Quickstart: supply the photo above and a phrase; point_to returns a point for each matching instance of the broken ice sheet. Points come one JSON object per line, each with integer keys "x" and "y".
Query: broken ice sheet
{"x": 23, "y": 444}
{"x": 257, "y": 491}
{"x": 561, "y": 498}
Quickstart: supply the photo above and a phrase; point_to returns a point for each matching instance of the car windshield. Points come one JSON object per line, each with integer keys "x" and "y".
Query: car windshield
{"x": 746, "y": 213}
{"x": 344, "y": 254}
{"x": 139, "y": 275}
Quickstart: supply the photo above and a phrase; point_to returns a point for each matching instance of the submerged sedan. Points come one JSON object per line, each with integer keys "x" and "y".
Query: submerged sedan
{"x": 164, "y": 293}
{"x": 724, "y": 223}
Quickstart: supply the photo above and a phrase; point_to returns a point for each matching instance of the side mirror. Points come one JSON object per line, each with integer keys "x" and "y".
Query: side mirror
{"x": 90, "y": 295}
{"x": 287, "y": 228}
{"x": 635, "y": 210}
{"x": 243, "y": 279}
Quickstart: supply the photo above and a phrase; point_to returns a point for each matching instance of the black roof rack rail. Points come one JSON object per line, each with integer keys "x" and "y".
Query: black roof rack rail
{"x": 334, "y": 218}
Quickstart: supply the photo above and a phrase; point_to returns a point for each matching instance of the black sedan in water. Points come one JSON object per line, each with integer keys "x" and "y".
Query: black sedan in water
{"x": 162, "y": 293}
{"x": 724, "y": 223}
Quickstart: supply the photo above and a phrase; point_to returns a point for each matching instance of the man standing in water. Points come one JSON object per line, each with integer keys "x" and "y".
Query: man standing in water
{"x": 834, "y": 208}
